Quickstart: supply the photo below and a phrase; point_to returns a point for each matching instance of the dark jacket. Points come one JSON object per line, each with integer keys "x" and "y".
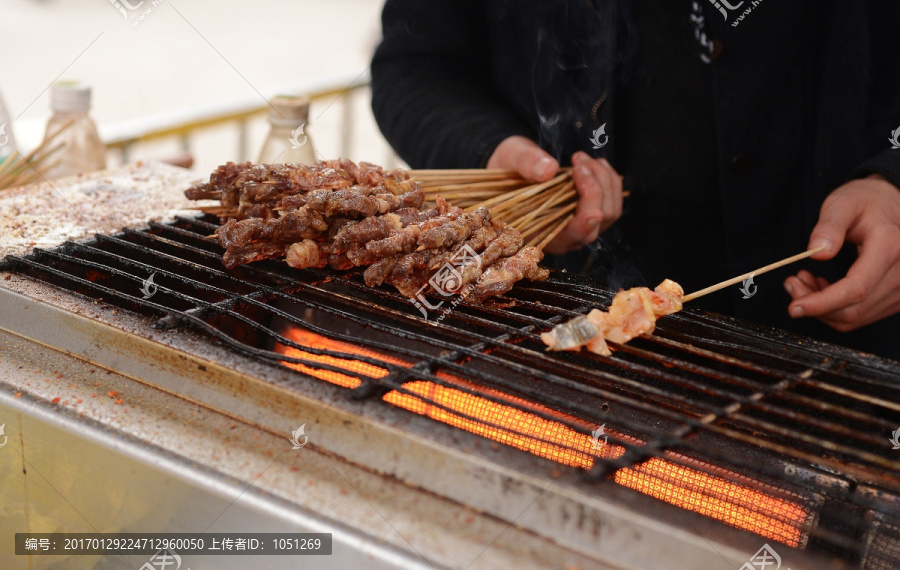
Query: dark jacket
{"x": 806, "y": 95}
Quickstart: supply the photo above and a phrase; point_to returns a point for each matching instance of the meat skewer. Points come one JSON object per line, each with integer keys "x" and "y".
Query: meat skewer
{"x": 634, "y": 312}
{"x": 501, "y": 277}
{"x": 249, "y": 190}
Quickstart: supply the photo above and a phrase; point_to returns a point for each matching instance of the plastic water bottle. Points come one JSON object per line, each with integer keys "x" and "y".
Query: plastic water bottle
{"x": 82, "y": 150}
{"x": 287, "y": 140}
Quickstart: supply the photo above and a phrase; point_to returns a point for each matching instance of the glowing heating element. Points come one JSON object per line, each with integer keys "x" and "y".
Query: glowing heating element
{"x": 307, "y": 338}
{"x": 718, "y": 497}
{"x": 505, "y": 424}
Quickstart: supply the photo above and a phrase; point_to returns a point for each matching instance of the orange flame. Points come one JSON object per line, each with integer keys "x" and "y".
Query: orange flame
{"x": 718, "y": 497}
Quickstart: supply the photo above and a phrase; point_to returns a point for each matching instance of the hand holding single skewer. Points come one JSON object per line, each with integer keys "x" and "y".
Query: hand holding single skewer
{"x": 864, "y": 212}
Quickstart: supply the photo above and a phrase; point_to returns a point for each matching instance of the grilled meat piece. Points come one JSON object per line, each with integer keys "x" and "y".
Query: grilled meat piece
{"x": 578, "y": 332}
{"x": 411, "y": 271}
{"x": 400, "y": 241}
{"x": 501, "y": 277}
{"x": 666, "y": 298}
{"x": 356, "y": 201}
{"x": 376, "y": 273}
{"x": 364, "y": 231}
{"x": 305, "y": 254}
{"x": 482, "y": 237}
{"x": 359, "y": 255}
{"x": 339, "y": 262}
{"x": 504, "y": 243}
{"x": 469, "y": 267}
{"x": 409, "y": 216}
{"x": 291, "y": 228}
{"x": 507, "y": 243}
{"x": 267, "y": 238}
{"x": 454, "y": 231}
{"x": 221, "y": 182}
{"x": 253, "y": 252}
{"x": 404, "y": 240}
{"x": 630, "y": 315}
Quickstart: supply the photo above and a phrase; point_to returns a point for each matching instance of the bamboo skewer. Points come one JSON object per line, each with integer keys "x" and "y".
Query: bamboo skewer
{"x": 490, "y": 185}
{"x": 527, "y": 224}
{"x": 541, "y": 226}
{"x": 469, "y": 173}
{"x": 20, "y": 164}
{"x": 18, "y": 157}
{"x": 543, "y": 243}
{"x": 526, "y": 192}
{"x": 13, "y": 171}
{"x": 548, "y": 203}
{"x": 760, "y": 271}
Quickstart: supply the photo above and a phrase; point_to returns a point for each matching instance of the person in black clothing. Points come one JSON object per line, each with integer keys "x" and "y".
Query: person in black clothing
{"x": 745, "y": 131}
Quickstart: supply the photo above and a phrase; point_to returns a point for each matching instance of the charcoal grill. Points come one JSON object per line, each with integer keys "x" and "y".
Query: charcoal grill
{"x": 696, "y": 445}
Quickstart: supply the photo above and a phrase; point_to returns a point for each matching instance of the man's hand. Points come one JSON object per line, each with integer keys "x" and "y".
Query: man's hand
{"x": 599, "y": 188}
{"x": 525, "y": 157}
{"x": 865, "y": 212}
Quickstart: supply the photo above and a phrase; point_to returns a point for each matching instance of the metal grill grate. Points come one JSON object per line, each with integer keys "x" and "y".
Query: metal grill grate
{"x": 754, "y": 427}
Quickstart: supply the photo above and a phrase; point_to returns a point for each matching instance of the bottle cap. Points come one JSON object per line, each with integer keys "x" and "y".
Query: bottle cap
{"x": 70, "y": 96}
{"x": 288, "y": 111}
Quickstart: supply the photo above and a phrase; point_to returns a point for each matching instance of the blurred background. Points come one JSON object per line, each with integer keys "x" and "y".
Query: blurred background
{"x": 193, "y": 76}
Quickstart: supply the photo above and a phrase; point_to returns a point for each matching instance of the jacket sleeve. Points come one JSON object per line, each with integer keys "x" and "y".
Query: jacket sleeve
{"x": 431, "y": 85}
{"x": 886, "y": 164}
{"x": 884, "y": 108}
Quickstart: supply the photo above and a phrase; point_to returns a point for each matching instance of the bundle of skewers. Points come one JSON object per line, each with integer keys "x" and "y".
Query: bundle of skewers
{"x": 539, "y": 211}
{"x": 341, "y": 214}
{"x": 19, "y": 170}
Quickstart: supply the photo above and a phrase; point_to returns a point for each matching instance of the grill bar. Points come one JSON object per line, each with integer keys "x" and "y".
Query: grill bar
{"x": 675, "y": 396}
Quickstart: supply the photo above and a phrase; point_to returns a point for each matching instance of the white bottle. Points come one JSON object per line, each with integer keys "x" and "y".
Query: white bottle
{"x": 287, "y": 140}
{"x": 82, "y": 150}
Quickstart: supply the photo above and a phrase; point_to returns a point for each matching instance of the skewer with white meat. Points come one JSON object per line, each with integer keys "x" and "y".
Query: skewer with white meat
{"x": 632, "y": 313}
